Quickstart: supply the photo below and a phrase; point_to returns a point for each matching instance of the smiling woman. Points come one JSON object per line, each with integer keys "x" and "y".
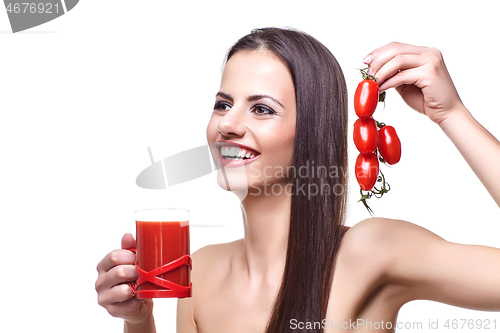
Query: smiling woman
{"x": 271, "y": 61}
{"x": 255, "y": 111}
{"x": 282, "y": 105}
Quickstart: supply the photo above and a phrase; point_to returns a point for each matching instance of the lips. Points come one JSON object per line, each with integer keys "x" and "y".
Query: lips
{"x": 235, "y": 154}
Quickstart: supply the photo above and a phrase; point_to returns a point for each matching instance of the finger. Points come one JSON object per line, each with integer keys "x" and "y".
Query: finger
{"x": 116, "y": 258}
{"x": 126, "y": 309}
{"x": 115, "y": 276}
{"x": 398, "y": 64}
{"x": 410, "y": 76}
{"x": 382, "y": 55}
{"x": 118, "y": 294}
{"x": 128, "y": 242}
{"x": 413, "y": 97}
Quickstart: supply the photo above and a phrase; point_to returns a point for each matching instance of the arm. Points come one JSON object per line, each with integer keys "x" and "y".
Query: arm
{"x": 185, "y": 307}
{"x": 428, "y": 266}
{"x": 185, "y": 321}
{"x": 147, "y": 326}
{"x": 423, "y": 266}
{"x": 420, "y": 76}
{"x": 479, "y": 148}
{"x": 433, "y": 269}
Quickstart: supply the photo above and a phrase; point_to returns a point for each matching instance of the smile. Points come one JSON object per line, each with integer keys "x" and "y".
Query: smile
{"x": 234, "y": 154}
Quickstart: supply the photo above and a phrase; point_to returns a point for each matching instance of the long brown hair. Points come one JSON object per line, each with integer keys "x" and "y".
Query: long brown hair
{"x": 317, "y": 211}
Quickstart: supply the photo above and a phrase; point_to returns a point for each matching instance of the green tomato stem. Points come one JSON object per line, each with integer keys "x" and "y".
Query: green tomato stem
{"x": 376, "y": 192}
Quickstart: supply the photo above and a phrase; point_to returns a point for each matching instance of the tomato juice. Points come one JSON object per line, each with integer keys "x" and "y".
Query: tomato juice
{"x": 159, "y": 243}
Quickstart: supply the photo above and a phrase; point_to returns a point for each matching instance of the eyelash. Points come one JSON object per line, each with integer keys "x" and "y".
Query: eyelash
{"x": 221, "y": 105}
{"x": 266, "y": 108}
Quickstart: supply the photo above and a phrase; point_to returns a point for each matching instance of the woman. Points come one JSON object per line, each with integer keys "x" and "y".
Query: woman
{"x": 283, "y": 100}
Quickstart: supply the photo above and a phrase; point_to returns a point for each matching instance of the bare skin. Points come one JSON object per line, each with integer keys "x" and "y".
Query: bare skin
{"x": 381, "y": 263}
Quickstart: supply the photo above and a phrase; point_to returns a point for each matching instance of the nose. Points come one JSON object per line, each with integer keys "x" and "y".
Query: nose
{"x": 232, "y": 124}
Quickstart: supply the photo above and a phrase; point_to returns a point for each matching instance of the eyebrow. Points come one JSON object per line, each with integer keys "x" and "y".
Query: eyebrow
{"x": 250, "y": 98}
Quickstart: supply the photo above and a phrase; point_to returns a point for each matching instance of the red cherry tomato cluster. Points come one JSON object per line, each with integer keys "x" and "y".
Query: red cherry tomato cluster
{"x": 375, "y": 141}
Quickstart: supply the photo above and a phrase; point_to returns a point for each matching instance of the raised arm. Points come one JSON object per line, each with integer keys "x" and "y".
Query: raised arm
{"x": 479, "y": 148}
{"x": 423, "y": 266}
{"x": 419, "y": 74}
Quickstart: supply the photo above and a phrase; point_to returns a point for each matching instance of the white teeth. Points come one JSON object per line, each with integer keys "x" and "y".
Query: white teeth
{"x": 231, "y": 152}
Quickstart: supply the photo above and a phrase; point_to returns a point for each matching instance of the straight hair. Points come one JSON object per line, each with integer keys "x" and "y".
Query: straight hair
{"x": 316, "y": 221}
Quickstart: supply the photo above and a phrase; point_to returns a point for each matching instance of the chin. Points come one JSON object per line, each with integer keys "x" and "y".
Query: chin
{"x": 233, "y": 180}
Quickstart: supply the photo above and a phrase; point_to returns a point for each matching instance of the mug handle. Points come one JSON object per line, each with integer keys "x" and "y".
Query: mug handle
{"x": 132, "y": 284}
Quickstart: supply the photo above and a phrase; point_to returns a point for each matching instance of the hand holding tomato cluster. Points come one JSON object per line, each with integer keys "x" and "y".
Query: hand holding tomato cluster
{"x": 419, "y": 75}
{"x": 373, "y": 144}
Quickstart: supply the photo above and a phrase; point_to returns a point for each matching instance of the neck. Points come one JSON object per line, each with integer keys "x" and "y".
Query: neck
{"x": 266, "y": 221}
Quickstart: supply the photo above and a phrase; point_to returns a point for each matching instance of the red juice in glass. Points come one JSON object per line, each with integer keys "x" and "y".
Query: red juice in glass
{"x": 162, "y": 237}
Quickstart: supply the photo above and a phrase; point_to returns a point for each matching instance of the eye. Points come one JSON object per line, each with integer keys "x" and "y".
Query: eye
{"x": 222, "y": 106}
{"x": 262, "y": 109}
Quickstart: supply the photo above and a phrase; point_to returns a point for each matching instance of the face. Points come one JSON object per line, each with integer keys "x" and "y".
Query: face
{"x": 252, "y": 128}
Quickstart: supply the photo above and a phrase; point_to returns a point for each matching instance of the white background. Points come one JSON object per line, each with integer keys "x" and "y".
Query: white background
{"x": 83, "y": 96}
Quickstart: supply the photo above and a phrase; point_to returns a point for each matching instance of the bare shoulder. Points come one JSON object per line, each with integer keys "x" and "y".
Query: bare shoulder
{"x": 374, "y": 256}
{"x": 215, "y": 252}
{"x": 214, "y": 259}
{"x": 379, "y": 242}
{"x": 385, "y": 232}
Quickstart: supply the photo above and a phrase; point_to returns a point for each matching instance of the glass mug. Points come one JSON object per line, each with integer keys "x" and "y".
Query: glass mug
{"x": 163, "y": 261}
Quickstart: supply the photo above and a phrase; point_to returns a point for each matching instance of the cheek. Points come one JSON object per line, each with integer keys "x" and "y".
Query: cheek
{"x": 288, "y": 153}
{"x": 282, "y": 155}
{"x": 288, "y": 144}
{"x": 211, "y": 138}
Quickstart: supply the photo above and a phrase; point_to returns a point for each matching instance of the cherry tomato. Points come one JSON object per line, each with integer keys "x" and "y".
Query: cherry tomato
{"x": 366, "y": 98}
{"x": 365, "y": 135}
{"x": 366, "y": 170}
{"x": 389, "y": 145}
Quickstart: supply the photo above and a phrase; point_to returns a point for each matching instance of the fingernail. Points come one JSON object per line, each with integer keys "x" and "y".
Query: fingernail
{"x": 368, "y": 59}
{"x": 370, "y": 71}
